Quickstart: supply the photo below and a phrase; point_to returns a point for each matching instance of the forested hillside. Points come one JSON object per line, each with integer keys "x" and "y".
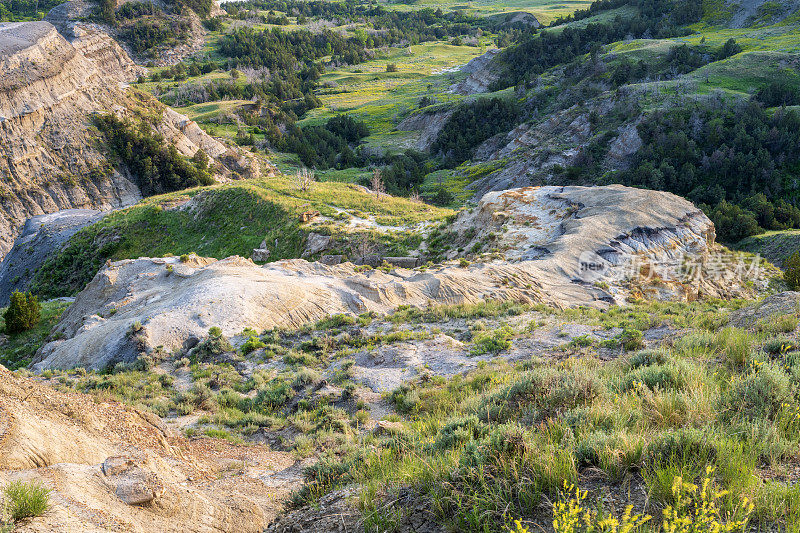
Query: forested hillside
{"x": 711, "y": 108}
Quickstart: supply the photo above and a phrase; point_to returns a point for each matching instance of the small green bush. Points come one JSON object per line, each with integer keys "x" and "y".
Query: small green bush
{"x": 779, "y": 345}
{"x": 538, "y": 395}
{"x": 657, "y": 377}
{"x": 791, "y": 271}
{"x": 23, "y": 312}
{"x": 631, "y": 339}
{"x": 337, "y": 321}
{"x": 252, "y": 344}
{"x": 212, "y": 346}
{"x": 493, "y": 341}
{"x": 647, "y": 358}
{"x": 26, "y": 500}
{"x": 759, "y": 394}
{"x": 460, "y": 431}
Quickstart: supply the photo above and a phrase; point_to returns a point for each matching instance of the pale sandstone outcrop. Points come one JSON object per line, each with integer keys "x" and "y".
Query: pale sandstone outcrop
{"x": 549, "y": 235}
{"x": 114, "y": 468}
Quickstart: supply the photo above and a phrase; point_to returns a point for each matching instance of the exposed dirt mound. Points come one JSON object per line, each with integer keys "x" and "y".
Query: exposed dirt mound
{"x": 114, "y": 468}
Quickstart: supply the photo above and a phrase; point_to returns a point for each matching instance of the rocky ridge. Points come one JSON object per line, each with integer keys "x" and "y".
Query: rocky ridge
{"x": 49, "y": 88}
{"x": 479, "y": 75}
{"x": 564, "y": 246}
{"x": 70, "y": 19}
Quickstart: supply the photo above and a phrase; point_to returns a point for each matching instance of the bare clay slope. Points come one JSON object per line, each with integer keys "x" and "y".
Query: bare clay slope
{"x": 547, "y": 233}
{"x": 114, "y": 468}
{"x": 51, "y": 158}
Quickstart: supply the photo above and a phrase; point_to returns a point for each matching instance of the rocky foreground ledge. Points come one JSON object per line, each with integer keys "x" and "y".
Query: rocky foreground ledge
{"x": 112, "y": 467}
{"x": 564, "y": 246}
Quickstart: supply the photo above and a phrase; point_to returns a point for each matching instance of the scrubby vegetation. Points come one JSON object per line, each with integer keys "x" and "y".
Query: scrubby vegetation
{"x": 26, "y": 499}
{"x": 716, "y": 409}
{"x": 156, "y": 165}
{"x": 689, "y": 433}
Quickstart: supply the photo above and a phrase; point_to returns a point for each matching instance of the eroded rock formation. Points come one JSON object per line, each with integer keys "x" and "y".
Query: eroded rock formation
{"x": 51, "y": 156}
{"x": 564, "y": 246}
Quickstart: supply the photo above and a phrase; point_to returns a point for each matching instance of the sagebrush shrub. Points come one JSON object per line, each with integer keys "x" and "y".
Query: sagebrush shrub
{"x": 759, "y": 394}
{"x": 647, "y": 358}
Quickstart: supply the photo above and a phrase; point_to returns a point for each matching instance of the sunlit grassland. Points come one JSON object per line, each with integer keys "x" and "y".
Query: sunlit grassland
{"x": 233, "y": 219}
{"x": 766, "y": 51}
{"x": 381, "y": 99}
{"x": 783, "y": 37}
{"x": 776, "y": 246}
{"x": 504, "y": 438}
{"x": 545, "y": 11}
{"x": 457, "y": 180}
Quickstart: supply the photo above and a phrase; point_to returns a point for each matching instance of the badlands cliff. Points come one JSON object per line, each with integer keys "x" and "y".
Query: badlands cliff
{"x": 564, "y": 246}
{"x": 49, "y": 88}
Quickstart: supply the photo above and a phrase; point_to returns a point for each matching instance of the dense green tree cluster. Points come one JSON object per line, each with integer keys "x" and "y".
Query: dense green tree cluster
{"x": 404, "y": 173}
{"x": 780, "y": 92}
{"x": 18, "y": 10}
{"x": 135, "y": 10}
{"x": 181, "y": 71}
{"x": 740, "y": 160}
{"x": 538, "y": 51}
{"x": 201, "y": 7}
{"x": 470, "y": 125}
{"x": 144, "y": 35}
{"x": 157, "y": 166}
{"x": 324, "y": 146}
{"x": 791, "y": 271}
{"x": 23, "y": 312}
